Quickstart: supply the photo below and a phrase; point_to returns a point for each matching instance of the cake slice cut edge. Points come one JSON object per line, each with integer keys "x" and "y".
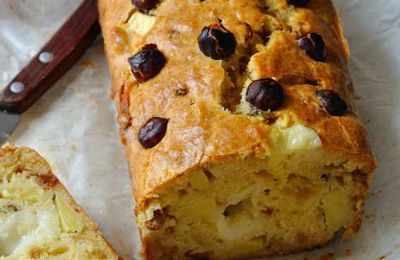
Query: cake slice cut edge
{"x": 287, "y": 202}
{"x": 38, "y": 217}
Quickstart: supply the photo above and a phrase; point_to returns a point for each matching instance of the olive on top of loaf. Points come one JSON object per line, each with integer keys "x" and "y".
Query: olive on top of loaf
{"x": 239, "y": 124}
{"x": 218, "y": 43}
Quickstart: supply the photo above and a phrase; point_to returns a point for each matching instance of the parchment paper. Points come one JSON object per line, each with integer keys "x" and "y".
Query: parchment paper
{"x": 74, "y": 127}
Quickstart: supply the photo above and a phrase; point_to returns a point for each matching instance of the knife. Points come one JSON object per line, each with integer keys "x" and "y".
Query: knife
{"x": 59, "y": 54}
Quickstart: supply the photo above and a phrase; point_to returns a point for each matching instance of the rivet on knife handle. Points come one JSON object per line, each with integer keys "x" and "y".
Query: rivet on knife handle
{"x": 62, "y": 51}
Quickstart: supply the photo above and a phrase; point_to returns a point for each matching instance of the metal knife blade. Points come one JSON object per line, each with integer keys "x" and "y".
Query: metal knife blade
{"x": 59, "y": 54}
{"x": 8, "y": 123}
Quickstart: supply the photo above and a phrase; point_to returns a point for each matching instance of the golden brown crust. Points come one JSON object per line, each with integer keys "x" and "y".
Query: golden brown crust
{"x": 200, "y": 131}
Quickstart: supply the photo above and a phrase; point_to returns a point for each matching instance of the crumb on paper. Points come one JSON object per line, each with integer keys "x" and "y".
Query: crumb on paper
{"x": 370, "y": 216}
{"x": 328, "y": 256}
{"x": 376, "y": 193}
{"x": 74, "y": 147}
{"x": 384, "y": 256}
{"x": 347, "y": 252}
{"x": 87, "y": 64}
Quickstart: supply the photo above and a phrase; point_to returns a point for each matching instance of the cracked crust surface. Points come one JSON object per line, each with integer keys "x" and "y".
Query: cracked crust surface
{"x": 211, "y": 124}
{"x": 200, "y": 130}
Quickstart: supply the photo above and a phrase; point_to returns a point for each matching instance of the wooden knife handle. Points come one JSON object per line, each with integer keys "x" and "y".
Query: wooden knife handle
{"x": 62, "y": 51}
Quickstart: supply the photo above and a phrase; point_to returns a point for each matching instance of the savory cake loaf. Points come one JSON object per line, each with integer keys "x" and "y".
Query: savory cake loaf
{"x": 240, "y": 125}
{"x": 38, "y": 217}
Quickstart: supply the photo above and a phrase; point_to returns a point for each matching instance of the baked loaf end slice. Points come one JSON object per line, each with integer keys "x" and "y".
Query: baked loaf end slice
{"x": 240, "y": 125}
{"x": 38, "y": 217}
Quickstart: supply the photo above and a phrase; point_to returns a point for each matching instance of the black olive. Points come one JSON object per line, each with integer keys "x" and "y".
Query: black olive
{"x": 145, "y": 5}
{"x": 151, "y": 133}
{"x": 298, "y": 2}
{"x": 217, "y": 42}
{"x": 147, "y": 63}
{"x": 265, "y": 94}
{"x": 314, "y": 46}
{"x": 332, "y": 102}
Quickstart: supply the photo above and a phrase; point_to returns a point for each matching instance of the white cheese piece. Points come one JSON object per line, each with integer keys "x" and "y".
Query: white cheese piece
{"x": 21, "y": 188}
{"x": 141, "y": 23}
{"x": 295, "y": 137}
{"x": 70, "y": 220}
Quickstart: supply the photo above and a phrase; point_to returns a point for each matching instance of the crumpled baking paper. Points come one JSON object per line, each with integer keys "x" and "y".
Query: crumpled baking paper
{"x": 74, "y": 125}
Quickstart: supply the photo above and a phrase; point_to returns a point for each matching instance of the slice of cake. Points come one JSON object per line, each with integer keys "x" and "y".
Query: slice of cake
{"x": 38, "y": 217}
